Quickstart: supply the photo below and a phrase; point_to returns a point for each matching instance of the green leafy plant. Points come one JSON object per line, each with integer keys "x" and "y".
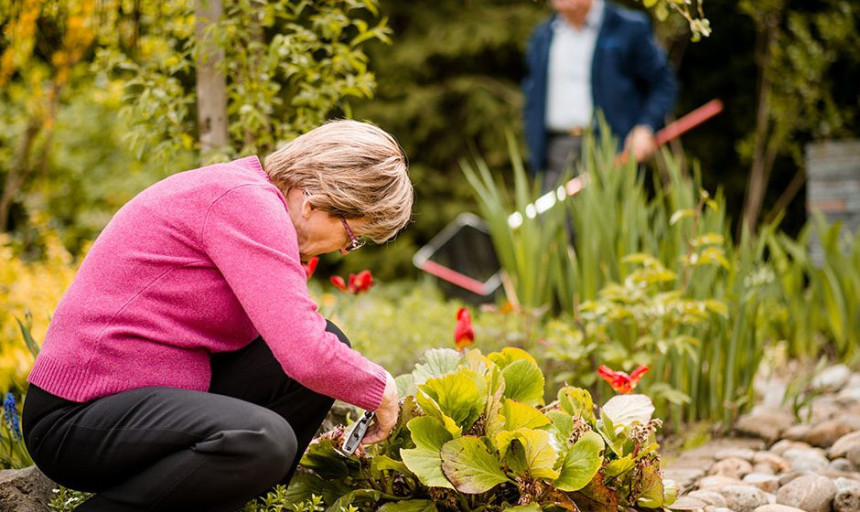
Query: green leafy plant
{"x": 475, "y": 435}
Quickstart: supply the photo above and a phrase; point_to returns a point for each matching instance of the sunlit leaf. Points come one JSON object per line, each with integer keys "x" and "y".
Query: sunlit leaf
{"x": 470, "y": 466}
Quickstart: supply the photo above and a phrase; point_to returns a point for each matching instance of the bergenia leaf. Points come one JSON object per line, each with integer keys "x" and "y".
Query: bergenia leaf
{"x": 470, "y": 466}
{"x": 438, "y": 362}
{"x": 457, "y": 395}
{"x": 651, "y": 485}
{"x": 577, "y": 402}
{"x": 409, "y": 506}
{"x": 428, "y": 432}
{"x": 524, "y": 382}
{"x": 429, "y": 406}
{"x": 563, "y": 424}
{"x": 427, "y": 466}
{"x": 510, "y": 354}
{"x": 531, "y": 451}
{"x": 625, "y": 410}
{"x": 519, "y": 415}
{"x": 581, "y": 463}
{"x": 531, "y": 507}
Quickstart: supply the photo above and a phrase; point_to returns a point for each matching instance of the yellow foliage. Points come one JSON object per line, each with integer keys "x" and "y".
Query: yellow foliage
{"x": 29, "y": 287}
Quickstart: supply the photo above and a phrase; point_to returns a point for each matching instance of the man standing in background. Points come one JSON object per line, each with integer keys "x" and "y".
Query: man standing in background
{"x": 593, "y": 55}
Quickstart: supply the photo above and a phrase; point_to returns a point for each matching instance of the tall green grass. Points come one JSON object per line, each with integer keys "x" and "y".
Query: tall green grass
{"x": 662, "y": 282}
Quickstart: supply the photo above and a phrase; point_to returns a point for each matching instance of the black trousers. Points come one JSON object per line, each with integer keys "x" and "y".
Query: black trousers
{"x": 167, "y": 449}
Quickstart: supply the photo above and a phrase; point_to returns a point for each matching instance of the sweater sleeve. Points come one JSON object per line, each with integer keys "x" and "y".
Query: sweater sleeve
{"x": 249, "y": 236}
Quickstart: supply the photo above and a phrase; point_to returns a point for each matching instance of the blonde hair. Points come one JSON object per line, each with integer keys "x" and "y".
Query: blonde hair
{"x": 350, "y": 169}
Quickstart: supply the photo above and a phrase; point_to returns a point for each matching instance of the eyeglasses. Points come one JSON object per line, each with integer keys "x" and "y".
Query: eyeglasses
{"x": 354, "y": 243}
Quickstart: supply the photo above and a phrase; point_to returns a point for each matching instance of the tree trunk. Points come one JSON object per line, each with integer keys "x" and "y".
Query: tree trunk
{"x": 211, "y": 82}
{"x": 18, "y": 172}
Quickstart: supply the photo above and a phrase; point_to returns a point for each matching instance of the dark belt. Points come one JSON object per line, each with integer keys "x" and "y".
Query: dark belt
{"x": 577, "y": 131}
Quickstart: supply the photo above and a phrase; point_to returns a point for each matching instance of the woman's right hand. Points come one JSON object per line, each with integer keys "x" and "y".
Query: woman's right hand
{"x": 386, "y": 413}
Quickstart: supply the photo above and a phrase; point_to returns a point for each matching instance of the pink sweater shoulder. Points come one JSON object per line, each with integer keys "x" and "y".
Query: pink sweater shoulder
{"x": 201, "y": 262}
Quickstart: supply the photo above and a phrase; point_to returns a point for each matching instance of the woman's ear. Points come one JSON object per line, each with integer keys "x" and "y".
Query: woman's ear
{"x": 307, "y": 208}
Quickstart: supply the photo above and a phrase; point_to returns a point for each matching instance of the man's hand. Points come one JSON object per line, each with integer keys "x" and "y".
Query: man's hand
{"x": 640, "y": 143}
{"x": 386, "y": 413}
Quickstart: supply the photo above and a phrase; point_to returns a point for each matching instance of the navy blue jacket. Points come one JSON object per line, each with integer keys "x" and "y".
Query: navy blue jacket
{"x": 632, "y": 81}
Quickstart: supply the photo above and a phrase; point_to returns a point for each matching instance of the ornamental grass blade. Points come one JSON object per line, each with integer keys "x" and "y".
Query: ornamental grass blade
{"x": 470, "y": 466}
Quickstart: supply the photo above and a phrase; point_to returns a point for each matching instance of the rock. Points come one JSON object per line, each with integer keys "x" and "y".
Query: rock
{"x": 746, "y": 454}
{"x": 732, "y": 467}
{"x": 843, "y": 483}
{"x": 685, "y": 461}
{"x": 784, "y": 445}
{"x": 812, "y": 493}
{"x": 848, "y": 395}
{"x": 776, "y": 463}
{"x": 743, "y": 498}
{"x": 687, "y": 503}
{"x": 826, "y": 433}
{"x": 25, "y": 490}
{"x": 788, "y": 477}
{"x": 717, "y": 482}
{"x": 686, "y": 477}
{"x": 842, "y": 465}
{"x": 847, "y": 500}
{"x": 776, "y": 507}
{"x": 843, "y": 444}
{"x": 767, "y": 483}
{"x": 810, "y": 459}
{"x": 764, "y": 424}
{"x": 711, "y": 498}
{"x": 854, "y": 455}
{"x": 833, "y": 378}
{"x": 796, "y": 432}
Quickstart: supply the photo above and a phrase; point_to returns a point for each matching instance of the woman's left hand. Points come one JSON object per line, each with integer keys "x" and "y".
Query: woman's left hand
{"x": 386, "y": 413}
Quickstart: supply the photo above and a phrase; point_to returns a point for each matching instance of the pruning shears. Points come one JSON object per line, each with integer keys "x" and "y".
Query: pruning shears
{"x": 356, "y": 433}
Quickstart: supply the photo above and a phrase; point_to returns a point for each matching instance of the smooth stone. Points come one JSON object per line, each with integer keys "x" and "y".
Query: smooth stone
{"x": 767, "y": 483}
{"x": 847, "y": 500}
{"x": 775, "y": 462}
{"x": 743, "y": 498}
{"x": 843, "y": 483}
{"x": 854, "y": 455}
{"x": 843, "y": 444}
{"x": 692, "y": 462}
{"x": 711, "y": 498}
{"x": 688, "y": 503}
{"x": 717, "y": 482}
{"x": 746, "y": 454}
{"x": 811, "y": 459}
{"x": 826, "y": 433}
{"x": 796, "y": 433}
{"x": 831, "y": 379}
{"x": 776, "y": 507}
{"x": 851, "y": 419}
{"x": 842, "y": 465}
{"x": 783, "y": 445}
{"x": 848, "y": 395}
{"x": 767, "y": 425}
{"x": 785, "y": 478}
{"x": 813, "y": 493}
{"x": 732, "y": 467}
{"x": 686, "y": 477}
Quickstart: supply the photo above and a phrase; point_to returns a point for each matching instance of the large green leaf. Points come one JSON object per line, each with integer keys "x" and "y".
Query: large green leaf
{"x": 458, "y": 397}
{"x": 409, "y": 506}
{"x": 519, "y": 415}
{"x": 625, "y": 410}
{"x": 531, "y": 507}
{"x": 428, "y": 432}
{"x": 368, "y": 497}
{"x": 524, "y": 382}
{"x": 438, "y": 362}
{"x": 326, "y": 461}
{"x": 427, "y": 466}
{"x": 470, "y": 466}
{"x": 577, "y": 402}
{"x": 431, "y": 408}
{"x": 527, "y": 450}
{"x": 582, "y": 462}
{"x": 509, "y": 355}
{"x": 563, "y": 424}
{"x": 651, "y": 485}
{"x": 494, "y": 421}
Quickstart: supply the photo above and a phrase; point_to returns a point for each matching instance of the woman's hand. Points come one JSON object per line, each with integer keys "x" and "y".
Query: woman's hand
{"x": 386, "y": 413}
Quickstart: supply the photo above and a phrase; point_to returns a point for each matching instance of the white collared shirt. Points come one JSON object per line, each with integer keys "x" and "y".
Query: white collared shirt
{"x": 569, "y": 103}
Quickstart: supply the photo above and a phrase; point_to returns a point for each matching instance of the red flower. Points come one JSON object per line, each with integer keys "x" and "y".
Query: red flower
{"x": 464, "y": 334}
{"x": 620, "y": 381}
{"x": 338, "y": 282}
{"x": 361, "y": 282}
{"x": 311, "y": 266}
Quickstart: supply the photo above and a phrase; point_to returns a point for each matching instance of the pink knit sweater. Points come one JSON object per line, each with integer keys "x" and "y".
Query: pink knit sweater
{"x": 201, "y": 262}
